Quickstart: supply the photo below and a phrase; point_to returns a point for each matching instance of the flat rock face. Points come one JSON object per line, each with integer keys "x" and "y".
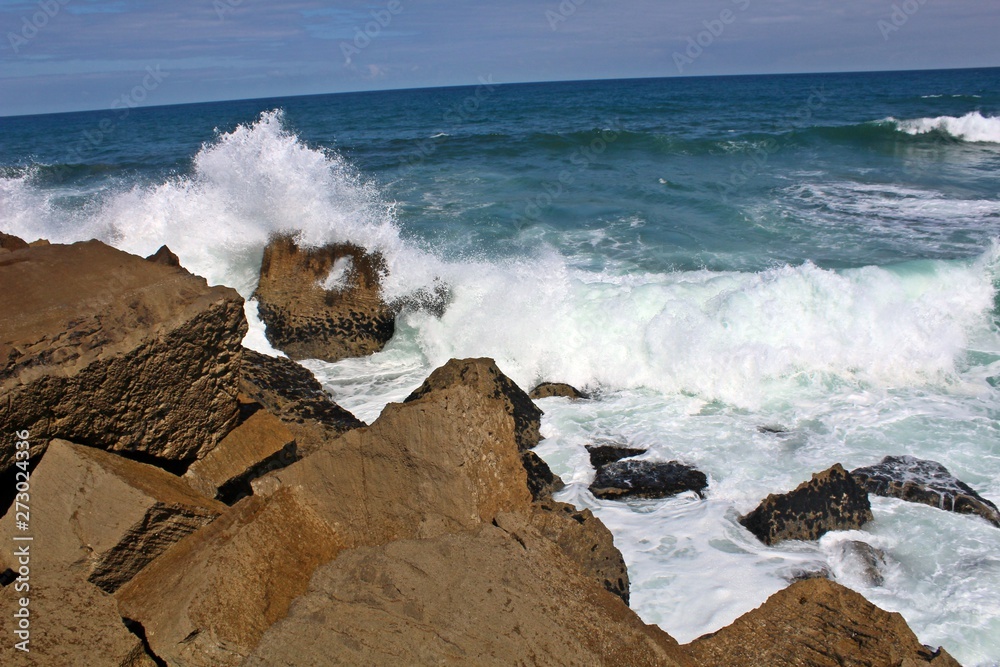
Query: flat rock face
{"x": 207, "y": 601}
{"x": 602, "y": 455}
{"x": 926, "y": 482}
{"x": 101, "y": 347}
{"x": 323, "y": 303}
{"x": 549, "y": 389}
{"x": 103, "y": 516}
{"x": 492, "y": 596}
{"x": 820, "y": 624}
{"x": 831, "y": 500}
{"x": 646, "y": 479}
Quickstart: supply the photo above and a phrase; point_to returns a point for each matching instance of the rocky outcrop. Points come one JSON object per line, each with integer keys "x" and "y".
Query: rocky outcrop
{"x": 603, "y": 454}
{"x": 165, "y": 256}
{"x": 103, "y": 516}
{"x": 646, "y": 479}
{"x": 292, "y": 393}
{"x": 10, "y": 243}
{"x": 926, "y": 482}
{"x": 323, "y": 303}
{"x": 207, "y": 601}
{"x": 542, "y": 482}
{"x": 831, "y": 500}
{"x": 864, "y": 561}
{"x": 549, "y": 389}
{"x": 260, "y": 444}
{"x": 821, "y": 624}
{"x": 104, "y": 348}
{"x": 498, "y": 595}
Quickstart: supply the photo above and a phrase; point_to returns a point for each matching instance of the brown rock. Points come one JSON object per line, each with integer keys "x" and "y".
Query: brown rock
{"x": 292, "y": 392}
{"x": 816, "y": 623}
{"x": 309, "y": 319}
{"x": 165, "y": 256}
{"x": 492, "y": 596}
{"x": 549, "y": 389}
{"x": 260, "y": 444}
{"x": 207, "y": 601}
{"x": 11, "y": 243}
{"x": 831, "y": 500}
{"x": 104, "y": 348}
{"x": 103, "y": 516}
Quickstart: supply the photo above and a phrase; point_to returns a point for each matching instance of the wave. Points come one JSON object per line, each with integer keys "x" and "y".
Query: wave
{"x": 972, "y": 127}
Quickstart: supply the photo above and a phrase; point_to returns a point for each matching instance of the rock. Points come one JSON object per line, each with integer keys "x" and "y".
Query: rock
{"x": 927, "y": 482}
{"x": 831, "y": 500}
{"x": 106, "y": 349}
{"x": 11, "y": 243}
{"x": 865, "y": 560}
{"x": 493, "y": 596}
{"x": 103, "y": 516}
{"x": 259, "y": 445}
{"x": 805, "y": 571}
{"x": 207, "y": 601}
{"x": 292, "y": 393}
{"x": 646, "y": 479}
{"x": 445, "y": 460}
{"x": 602, "y": 455}
{"x": 817, "y": 623}
{"x": 323, "y": 303}
{"x": 549, "y": 389}
{"x": 586, "y": 541}
{"x": 541, "y": 481}
{"x": 165, "y": 256}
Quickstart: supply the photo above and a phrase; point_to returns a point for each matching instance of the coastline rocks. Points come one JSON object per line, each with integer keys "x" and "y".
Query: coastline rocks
{"x": 10, "y": 243}
{"x": 927, "y": 482}
{"x": 104, "y": 516}
{"x": 323, "y": 303}
{"x": 542, "y": 482}
{"x": 497, "y": 595}
{"x": 864, "y": 561}
{"x": 602, "y": 455}
{"x": 818, "y": 623}
{"x": 165, "y": 256}
{"x": 106, "y": 349}
{"x": 549, "y": 389}
{"x": 831, "y": 500}
{"x": 646, "y": 479}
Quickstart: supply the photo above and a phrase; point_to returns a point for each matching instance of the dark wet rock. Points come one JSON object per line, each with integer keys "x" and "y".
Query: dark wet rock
{"x": 773, "y": 429}
{"x": 542, "y": 482}
{"x": 310, "y": 317}
{"x": 831, "y": 500}
{"x": 165, "y": 256}
{"x": 864, "y": 559}
{"x": 926, "y": 482}
{"x": 602, "y": 455}
{"x": 434, "y": 300}
{"x": 646, "y": 479}
{"x": 549, "y": 389}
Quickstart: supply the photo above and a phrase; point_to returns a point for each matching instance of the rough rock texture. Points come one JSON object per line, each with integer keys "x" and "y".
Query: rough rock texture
{"x": 831, "y": 500}
{"x": 445, "y": 460}
{"x": 165, "y": 256}
{"x": 927, "y": 482}
{"x": 816, "y": 623}
{"x": 103, "y": 516}
{"x": 310, "y": 316}
{"x": 72, "y": 623}
{"x": 548, "y": 389}
{"x": 602, "y": 455}
{"x": 104, "y": 348}
{"x": 292, "y": 392}
{"x": 646, "y": 479}
{"x": 207, "y": 601}
{"x": 493, "y": 596}
{"x": 260, "y": 444}
{"x": 542, "y": 482}
{"x": 11, "y": 243}
{"x": 586, "y": 541}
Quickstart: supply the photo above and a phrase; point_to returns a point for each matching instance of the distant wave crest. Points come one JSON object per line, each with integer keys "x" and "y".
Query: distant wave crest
{"x": 972, "y": 127}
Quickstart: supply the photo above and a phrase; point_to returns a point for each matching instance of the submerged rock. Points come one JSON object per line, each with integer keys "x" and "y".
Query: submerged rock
{"x": 821, "y": 624}
{"x": 646, "y": 479}
{"x": 831, "y": 500}
{"x": 926, "y": 482}
{"x": 602, "y": 455}
{"x": 864, "y": 560}
{"x": 323, "y": 303}
{"x": 549, "y": 389}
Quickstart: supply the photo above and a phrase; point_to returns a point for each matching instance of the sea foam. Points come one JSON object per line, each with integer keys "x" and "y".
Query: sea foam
{"x": 973, "y": 126}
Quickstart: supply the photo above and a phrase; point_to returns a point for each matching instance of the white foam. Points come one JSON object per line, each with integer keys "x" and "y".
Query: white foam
{"x": 973, "y": 126}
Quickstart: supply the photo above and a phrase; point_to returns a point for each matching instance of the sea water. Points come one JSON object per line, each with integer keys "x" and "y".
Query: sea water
{"x": 816, "y": 255}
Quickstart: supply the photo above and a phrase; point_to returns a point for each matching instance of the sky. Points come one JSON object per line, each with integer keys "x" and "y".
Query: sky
{"x": 69, "y": 55}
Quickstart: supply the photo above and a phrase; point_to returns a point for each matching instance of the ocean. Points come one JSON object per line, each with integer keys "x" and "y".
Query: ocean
{"x": 817, "y": 255}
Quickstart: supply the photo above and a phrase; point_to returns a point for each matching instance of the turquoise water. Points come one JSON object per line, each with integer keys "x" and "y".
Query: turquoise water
{"x": 710, "y": 255}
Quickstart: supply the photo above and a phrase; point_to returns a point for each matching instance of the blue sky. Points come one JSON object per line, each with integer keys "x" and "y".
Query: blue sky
{"x": 64, "y": 55}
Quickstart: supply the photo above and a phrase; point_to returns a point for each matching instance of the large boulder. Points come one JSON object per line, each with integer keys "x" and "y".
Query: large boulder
{"x": 831, "y": 500}
{"x": 102, "y": 516}
{"x": 646, "y": 479}
{"x": 106, "y": 349}
{"x": 820, "y": 624}
{"x": 497, "y": 595}
{"x": 323, "y": 303}
{"x": 926, "y": 482}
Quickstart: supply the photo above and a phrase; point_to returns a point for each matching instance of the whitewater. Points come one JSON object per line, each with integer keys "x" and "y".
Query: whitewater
{"x": 759, "y": 367}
